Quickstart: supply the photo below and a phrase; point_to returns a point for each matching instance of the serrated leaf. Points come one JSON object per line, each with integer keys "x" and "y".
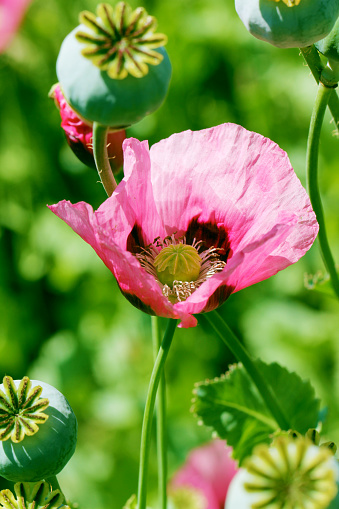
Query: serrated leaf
{"x": 233, "y": 407}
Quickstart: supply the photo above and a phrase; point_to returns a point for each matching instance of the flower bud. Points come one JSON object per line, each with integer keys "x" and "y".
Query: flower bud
{"x": 37, "y": 435}
{"x": 79, "y": 134}
{"x": 108, "y": 68}
{"x": 288, "y": 23}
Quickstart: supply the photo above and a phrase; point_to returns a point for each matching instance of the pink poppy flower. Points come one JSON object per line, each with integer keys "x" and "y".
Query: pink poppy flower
{"x": 197, "y": 217}
{"x": 79, "y": 134}
{"x": 208, "y": 471}
{"x": 11, "y": 14}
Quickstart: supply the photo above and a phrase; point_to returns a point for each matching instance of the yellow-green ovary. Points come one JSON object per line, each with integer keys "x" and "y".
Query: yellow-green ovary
{"x": 177, "y": 262}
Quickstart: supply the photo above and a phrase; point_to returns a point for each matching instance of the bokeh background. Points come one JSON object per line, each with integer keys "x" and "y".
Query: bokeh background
{"x": 62, "y": 317}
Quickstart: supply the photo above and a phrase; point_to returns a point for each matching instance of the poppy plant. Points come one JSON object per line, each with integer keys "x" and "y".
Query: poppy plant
{"x": 199, "y": 216}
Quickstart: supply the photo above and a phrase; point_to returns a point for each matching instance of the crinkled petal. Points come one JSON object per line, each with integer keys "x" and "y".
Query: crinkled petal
{"x": 245, "y": 266}
{"x": 229, "y": 176}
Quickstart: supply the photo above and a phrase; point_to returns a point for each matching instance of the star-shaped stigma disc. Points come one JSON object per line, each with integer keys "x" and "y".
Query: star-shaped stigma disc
{"x": 121, "y": 41}
{"x": 32, "y": 496}
{"x": 21, "y": 409}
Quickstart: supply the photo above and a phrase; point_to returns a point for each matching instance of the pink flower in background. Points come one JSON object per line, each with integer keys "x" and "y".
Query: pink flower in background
{"x": 79, "y": 134}
{"x": 208, "y": 470}
{"x": 197, "y": 217}
{"x": 11, "y": 14}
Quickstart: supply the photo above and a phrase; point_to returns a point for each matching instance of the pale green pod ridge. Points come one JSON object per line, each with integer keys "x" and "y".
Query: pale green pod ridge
{"x": 288, "y": 24}
{"x": 45, "y": 453}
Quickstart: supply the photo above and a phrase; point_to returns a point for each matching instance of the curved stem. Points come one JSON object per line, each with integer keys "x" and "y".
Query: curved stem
{"x": 313, "y": 61}
{"x": 238, "y": 350}
{"x": 161, "y": 420}
{"x": 101, "y": 157}
{"x": 148, "y": 413}
{"x": 318, "y": 113}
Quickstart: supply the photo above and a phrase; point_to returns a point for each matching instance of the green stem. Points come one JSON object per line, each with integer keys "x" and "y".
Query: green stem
{"x": 101, "y": 157}
{"x": 317, "y": 118}
{"x": 233, "y": 343}
{"x": 313, "y": 61}
{"x": 161, "y": 420}
{"x": 148, "y": 413}
{"x": 53, "y": 481}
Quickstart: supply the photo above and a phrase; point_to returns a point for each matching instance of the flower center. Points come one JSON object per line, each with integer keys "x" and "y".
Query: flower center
{"x": 121, "y": 41}
{"x": 180, "y": 268}
{"x": 21, "y": 409}
{"x": 291, "y": 473}
{"x": 177, "y": 263}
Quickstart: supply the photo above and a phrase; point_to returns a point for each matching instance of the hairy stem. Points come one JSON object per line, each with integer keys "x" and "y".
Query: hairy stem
{"x": 148, "y": 413}
{"x": 317, "y": 118}
{"x": 101, "y": 157}
{"x": 238, "y": 350}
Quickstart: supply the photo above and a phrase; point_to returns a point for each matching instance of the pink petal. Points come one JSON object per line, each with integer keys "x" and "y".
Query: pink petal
{"x": 209, "y": 469}
{"x": 11, "y": 14}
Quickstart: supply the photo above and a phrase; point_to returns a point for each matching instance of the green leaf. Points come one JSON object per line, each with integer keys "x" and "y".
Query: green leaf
{"x": 232, "y": 406}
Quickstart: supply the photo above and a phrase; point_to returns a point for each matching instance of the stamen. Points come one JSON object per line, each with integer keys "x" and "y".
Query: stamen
{"x": 178, "y": 290}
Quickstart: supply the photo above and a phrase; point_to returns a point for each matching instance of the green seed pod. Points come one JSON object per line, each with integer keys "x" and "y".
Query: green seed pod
{"x": 34, "y": 445}
{"x": 288, "y": 23}
{"x": 107, "y": 67}
{"x": 330, "y": 45}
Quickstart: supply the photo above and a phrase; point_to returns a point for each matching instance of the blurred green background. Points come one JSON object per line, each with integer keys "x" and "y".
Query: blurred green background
{"x": 62, "y": 318}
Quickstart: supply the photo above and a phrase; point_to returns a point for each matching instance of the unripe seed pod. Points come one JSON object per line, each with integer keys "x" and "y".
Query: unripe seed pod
{"x": 288, "y": 23}
{"x": 30, "y": 451}
{"x": 117, "y": 77}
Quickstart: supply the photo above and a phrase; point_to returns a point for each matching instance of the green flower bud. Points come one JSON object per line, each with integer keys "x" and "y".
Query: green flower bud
{"x": 34, "y": 445}
{"x": 288, "y": 23}
{"x": 330, "y": 45}
{"x": 108, "y": 69}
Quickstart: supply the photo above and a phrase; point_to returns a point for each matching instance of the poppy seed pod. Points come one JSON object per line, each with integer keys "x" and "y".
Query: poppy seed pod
{"x": 108, "y": 69}
{"x": 37, "y": 435}
{"x": 288, "y": 23}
